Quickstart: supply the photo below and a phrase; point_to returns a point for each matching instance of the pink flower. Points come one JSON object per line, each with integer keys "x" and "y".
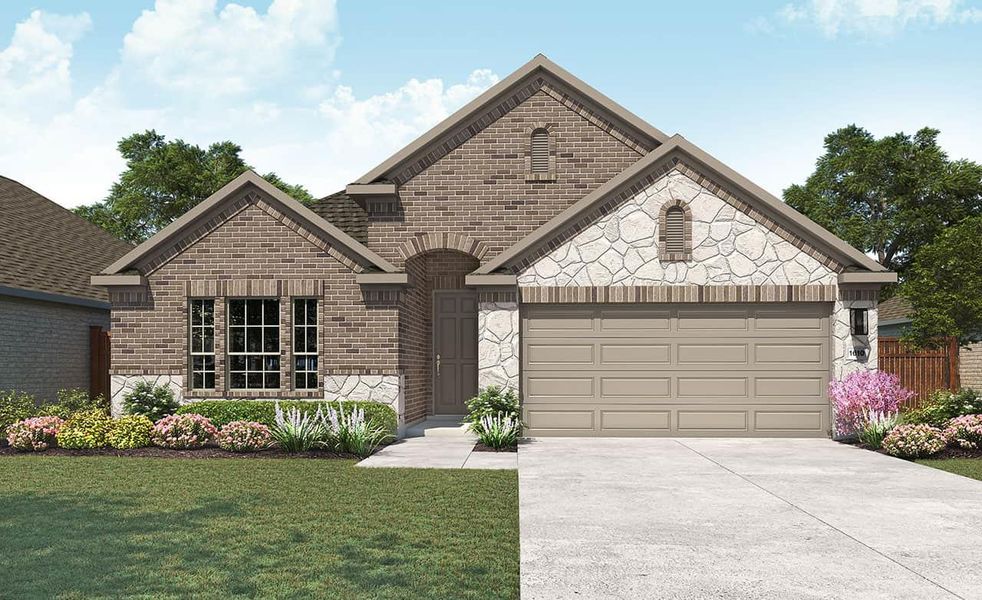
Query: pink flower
{"x": 864, "y": 392}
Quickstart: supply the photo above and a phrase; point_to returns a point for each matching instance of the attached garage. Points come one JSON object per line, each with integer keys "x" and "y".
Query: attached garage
{"x": 676, "y": 369}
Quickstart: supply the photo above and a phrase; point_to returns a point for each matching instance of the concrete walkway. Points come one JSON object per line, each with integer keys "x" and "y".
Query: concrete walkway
{"x": 439, "y": 452}
{"x": 710, "y": 518}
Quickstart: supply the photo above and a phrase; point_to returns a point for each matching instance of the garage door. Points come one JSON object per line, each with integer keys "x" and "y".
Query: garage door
{"x": 682, "y": 370}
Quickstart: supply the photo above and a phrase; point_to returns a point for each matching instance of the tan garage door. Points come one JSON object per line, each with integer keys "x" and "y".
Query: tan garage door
{"x": 676, "y": 370}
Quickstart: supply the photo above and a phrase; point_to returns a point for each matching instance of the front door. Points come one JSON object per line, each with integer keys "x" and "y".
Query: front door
{"x": 454, "y": 350}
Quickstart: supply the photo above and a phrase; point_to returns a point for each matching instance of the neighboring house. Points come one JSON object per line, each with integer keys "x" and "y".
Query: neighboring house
{"x": 894, "y": 316}
{"x": 542, "y": 238}
{"x": 47, "y": 304}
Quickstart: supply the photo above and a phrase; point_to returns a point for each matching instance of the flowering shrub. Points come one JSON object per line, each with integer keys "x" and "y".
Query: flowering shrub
{"x": 181, "y": 432}
{"x": 861, "y": 392}
{"x": 33, "y": 435}
{"x": 498, "y": 431}
{"x": 966, "y": 431}
{"x": 296, "y": 430}
{"x": 914, "y": 441}
{"x": 350, "y": 431}
{"x": 86, "y": 429}
{"x": 15, "y": 406}
{"x": 244, "y": 436}
{"x": 132, "y": 431}
{"x": 876, "y": 426}
{"x": 152, "y": 401}
{"x": 944, "y": 405}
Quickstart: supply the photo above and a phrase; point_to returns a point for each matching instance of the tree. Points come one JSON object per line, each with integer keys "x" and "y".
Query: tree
{"x": 165, "y": 179}
{"x": 889, "y": 196}
{"x": 944, "y": 286}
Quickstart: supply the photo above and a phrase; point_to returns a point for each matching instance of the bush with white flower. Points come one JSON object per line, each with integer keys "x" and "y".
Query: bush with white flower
{"x": 915, "y": 441}
{"x": 244, "y": 436}
{"x": 966, "y": 431}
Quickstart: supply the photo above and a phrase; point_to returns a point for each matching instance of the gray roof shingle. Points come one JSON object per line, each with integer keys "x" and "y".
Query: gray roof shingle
{"x": 896, "y": 308}
{"x": 47, "y": 248}
{"x": 342, "y": 211}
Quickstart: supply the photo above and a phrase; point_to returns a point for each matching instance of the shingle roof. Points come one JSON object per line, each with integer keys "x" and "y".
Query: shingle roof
{"x": 342, "y": 211}
{"x": 894, "y": 309}
{"x": 47, "y": 248}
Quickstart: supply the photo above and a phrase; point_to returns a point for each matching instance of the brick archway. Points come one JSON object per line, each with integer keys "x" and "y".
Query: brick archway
{"x": 426, "y": 242}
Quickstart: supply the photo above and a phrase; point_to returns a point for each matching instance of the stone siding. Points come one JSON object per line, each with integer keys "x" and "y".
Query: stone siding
{"x": 120, "y": 385}
{"x": 44, "y": 346}
{"x": 386, "y": 389}
{"x": 498, "y": 345}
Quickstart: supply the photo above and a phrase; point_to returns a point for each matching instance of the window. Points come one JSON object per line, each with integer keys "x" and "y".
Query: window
{"x": 860, "y": 321}
{"x": 254, "y": 344}
{"x": 675, "y": 231}
{"x": 202, "y": 326}
{"x": 540, "y": 151}
{"x": 305, "y": 344}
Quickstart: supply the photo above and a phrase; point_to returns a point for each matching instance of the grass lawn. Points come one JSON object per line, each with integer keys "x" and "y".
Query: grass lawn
{"x": 100, "y": 527}
{"x": 969, "y": 467}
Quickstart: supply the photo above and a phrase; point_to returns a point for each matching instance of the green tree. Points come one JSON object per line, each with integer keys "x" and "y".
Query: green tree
{"x": 165, "y": 179}
{"x": 889, "y": 196}
{"x": 944, "y": 286}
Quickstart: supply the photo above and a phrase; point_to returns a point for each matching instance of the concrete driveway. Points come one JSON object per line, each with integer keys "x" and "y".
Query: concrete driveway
{"x": 710, "y": 518}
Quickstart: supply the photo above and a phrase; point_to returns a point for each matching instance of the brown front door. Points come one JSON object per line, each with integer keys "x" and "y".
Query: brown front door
{"x": 454, "y": 350}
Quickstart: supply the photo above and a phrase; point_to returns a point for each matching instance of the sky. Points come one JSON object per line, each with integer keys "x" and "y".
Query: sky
{"x": 321, "y": 92}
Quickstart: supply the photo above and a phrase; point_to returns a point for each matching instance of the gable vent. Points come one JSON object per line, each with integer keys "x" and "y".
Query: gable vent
{"x": 675, "y": 231}
{"x": 540, "y": 151}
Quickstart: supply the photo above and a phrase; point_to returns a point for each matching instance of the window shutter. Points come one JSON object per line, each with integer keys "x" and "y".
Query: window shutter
{"x": 540, "y": 151}
{"x": 675, "y": 231}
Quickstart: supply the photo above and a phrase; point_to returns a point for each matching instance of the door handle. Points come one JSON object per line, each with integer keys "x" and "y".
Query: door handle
{"x": 437, "y": 365}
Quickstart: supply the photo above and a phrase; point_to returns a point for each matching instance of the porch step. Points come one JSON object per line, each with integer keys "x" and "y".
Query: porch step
{"x": 440, "y": 426}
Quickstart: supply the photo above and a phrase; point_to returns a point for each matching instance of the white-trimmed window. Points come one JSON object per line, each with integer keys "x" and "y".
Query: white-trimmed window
{"x": 253, "y": 344}
{"x": 201, "y": 323}
{"x": 304, "y": 343}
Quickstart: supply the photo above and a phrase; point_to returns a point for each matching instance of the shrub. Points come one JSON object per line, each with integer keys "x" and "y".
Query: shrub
{"x": 34, "y": 434}
{"x": 131, "y": 431}
{"x": 861, "y": 392}
{"x": 350, "y": 432}
{"x": 85, "y": 429}
{"x": 73, "y": 401}
{"x": 498, "y": 431}
{"x": 492, "y": 401}
{"x": 966, "y": 431}
{"x": 876, "y": 426}
{"x": 153, "y": 401}
{"x": 244, "y": 436}
{"x": 181, "y": 432}
{"x": 944, "y": 405}
{"x": 296, "y": 430}
{"x": 914, "y": 441}
{"x": 15, "y": 406}
{"x": 222, "y": 412}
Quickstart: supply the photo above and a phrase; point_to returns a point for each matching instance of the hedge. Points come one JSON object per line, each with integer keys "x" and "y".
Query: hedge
{"x": 222, "y": 412}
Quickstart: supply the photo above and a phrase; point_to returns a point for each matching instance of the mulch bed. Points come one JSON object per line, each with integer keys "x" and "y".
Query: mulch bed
{"x": 479, "y": 447}
{"x": 156, "y": 452}
{"x": 949, "y": 452}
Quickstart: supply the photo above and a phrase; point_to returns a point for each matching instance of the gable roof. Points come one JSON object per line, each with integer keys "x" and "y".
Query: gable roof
{"x": 48, "y": 249}
{"x": 677, "y": 146}
{"x": 345, "y": 212}
{"x": 895, "y": 310}
{"x": 250, "y": 178}
{"x": 485, "y": 104}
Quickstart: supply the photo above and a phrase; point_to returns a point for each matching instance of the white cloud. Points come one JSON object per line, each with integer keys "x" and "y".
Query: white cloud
{"x": 35, "y": 68}
{"x": 868, "y": 18}
{"x": 189, "y": 46}
{"x": 280, "y": 99}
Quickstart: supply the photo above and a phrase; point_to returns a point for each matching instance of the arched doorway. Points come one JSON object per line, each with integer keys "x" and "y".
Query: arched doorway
{"x": 439, "y": 334}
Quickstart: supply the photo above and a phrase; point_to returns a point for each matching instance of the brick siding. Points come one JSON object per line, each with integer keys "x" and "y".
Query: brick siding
{"x": 44, "y": 346}
{"x": 480, "y": 190}
{"x": 970, "y": 366}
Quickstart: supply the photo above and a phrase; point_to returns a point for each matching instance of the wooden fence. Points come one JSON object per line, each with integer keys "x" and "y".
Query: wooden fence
{"x": 922, "y": 370}
{"x": 99, "y": 344}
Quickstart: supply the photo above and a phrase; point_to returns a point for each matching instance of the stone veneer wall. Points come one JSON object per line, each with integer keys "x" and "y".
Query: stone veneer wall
{"x": 120, "y": 385}
{"x": 498, "y": 344}
{"x": 729, "y": 248}
{"x": 386, "y": 389}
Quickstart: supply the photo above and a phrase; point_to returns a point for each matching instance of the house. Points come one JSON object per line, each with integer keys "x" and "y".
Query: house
{"x": 542, "y": 238}
{"x": 47, "y": 305}
{"x": 893, "y": 316}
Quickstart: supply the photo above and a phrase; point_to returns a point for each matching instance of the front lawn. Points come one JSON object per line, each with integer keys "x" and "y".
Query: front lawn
{"x": 99, "y": 527}
{"x": 969, "y": 467}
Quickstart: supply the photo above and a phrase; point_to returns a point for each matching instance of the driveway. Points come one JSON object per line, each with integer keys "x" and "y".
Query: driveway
{"x": 711, "y": 518}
